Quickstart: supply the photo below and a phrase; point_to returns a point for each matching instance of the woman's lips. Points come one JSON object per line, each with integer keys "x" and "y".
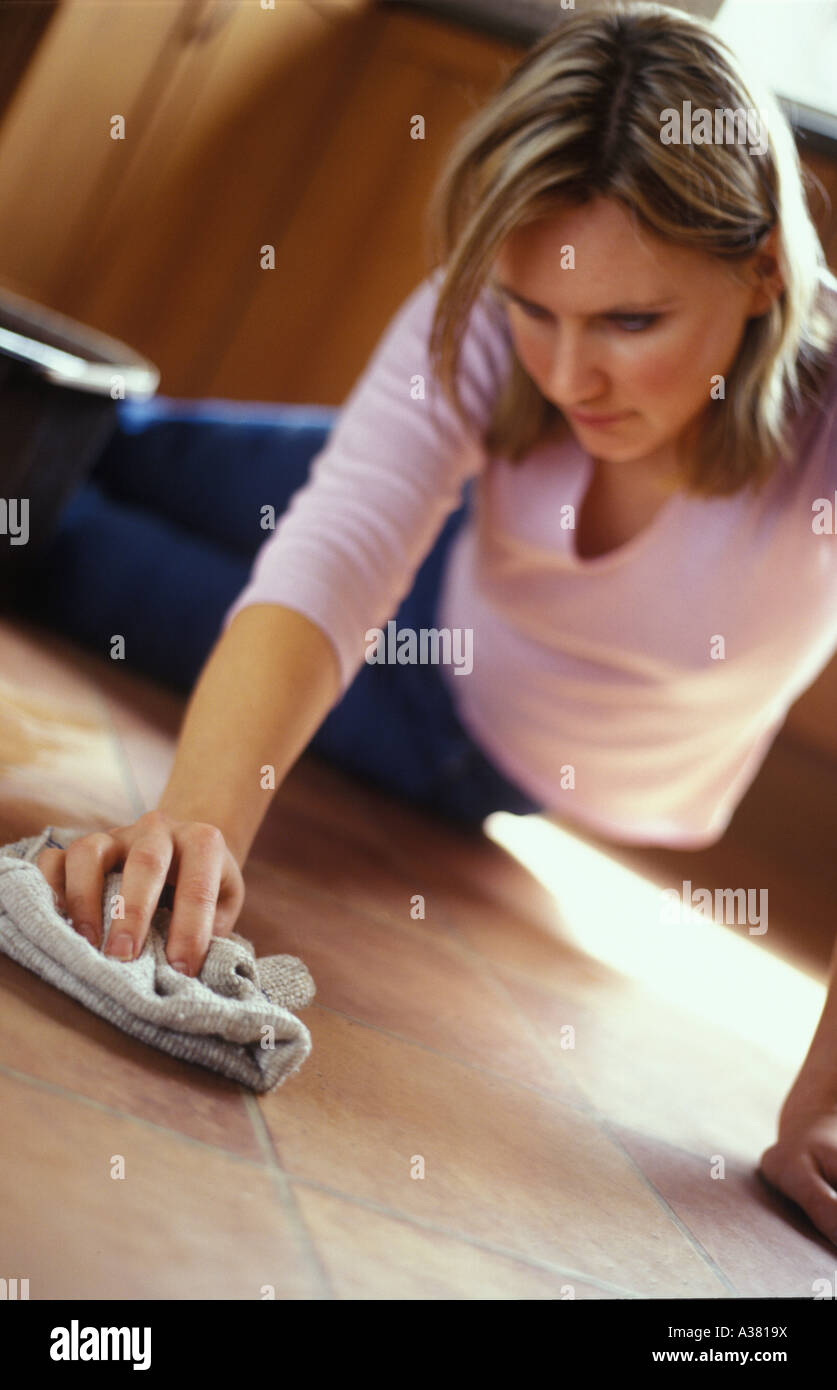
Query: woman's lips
{"x": 584, "y": 419}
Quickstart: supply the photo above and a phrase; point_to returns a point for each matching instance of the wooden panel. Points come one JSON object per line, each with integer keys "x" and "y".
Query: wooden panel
{"x": 21, "y": 29}
{"x": 355, "y": 245}
{"x": 224, "y": 162}
{"x": 58, "y": 163}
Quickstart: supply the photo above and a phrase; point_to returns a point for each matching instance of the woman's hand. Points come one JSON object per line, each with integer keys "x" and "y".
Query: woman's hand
{"x": 156, "y": 850}
{"x": 803, "y": 1162}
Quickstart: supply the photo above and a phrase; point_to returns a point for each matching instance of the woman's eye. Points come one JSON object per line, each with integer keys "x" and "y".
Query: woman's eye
{"x": 644, "y": 321}
{"x": 631, "y": 323}
{"x": 542, "y": 315}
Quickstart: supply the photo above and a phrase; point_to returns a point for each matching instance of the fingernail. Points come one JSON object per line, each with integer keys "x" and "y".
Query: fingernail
{"x": 122, "y": 948}
{"x": 180, "y": 965}
{"x": 88, "y": 933}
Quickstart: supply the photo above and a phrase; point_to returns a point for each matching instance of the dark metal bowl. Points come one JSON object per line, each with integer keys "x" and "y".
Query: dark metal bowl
{"x": 60, "y": 386}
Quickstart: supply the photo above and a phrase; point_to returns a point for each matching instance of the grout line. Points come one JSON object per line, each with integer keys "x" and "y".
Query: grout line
{"x": 474, "y": 958}
{"x": 435, "y": 1228}
{"x": 483, "y": 967}
{"x": 286, "y": 1195}
{"x": 285, "y": 1181}
{"x": 590, "y": 1111}
{"x": 699, "y": 1249}
{"x": 56, "y": 1089}
{"x": 585, "y": 1104}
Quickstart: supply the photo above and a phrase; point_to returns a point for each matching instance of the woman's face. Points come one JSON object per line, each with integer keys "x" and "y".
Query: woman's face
{"x": 638, "y": 327}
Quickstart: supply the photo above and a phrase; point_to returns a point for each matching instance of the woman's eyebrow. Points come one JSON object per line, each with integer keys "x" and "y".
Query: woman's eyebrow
{"x": 617, "y": 309}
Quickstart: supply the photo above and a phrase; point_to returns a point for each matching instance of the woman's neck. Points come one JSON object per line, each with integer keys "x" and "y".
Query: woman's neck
{"x": 654, "y": 477}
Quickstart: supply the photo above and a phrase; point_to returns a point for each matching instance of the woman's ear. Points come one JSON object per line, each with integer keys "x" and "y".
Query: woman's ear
{"x": 765, "y": 276}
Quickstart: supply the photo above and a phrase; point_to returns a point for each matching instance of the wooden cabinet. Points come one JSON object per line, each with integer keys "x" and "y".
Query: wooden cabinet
{"x": 352, "y": 245}
{"x": 244, "y": 128}
{"x": 59, "y": 168}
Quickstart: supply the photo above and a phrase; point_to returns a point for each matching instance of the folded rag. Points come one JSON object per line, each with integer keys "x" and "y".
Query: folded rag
{"x": 234, "y": 1017}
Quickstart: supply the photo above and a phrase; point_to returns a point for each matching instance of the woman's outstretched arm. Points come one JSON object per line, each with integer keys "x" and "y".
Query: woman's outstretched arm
{"x": 266, "y": 687}
{"x": 345, "y": 551}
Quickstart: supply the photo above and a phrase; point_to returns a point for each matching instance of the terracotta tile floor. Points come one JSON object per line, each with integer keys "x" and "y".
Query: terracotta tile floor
{"x": 521, "y": 1095}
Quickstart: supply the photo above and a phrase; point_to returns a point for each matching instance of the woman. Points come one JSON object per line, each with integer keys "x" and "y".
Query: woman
{"x": 626, "y": 359}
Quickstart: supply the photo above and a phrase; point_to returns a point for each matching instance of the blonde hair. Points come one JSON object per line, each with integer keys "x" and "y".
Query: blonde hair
{"x": 579, "y": 117}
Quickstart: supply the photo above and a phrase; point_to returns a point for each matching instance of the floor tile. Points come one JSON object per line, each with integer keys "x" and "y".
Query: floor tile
{"x": 145, "y": 718}
{"x": 46, "y": 1034}
{"x": 185, "y": 1222}
{"x": 765, "y": 1247}
{"x": 409, "y": 978}
{"x": 48, "y": 668}
{"x": 58, "y": 759}
{"x": 340, "y": 855}
{"x": 532, "y": 943}
{"x": 504, "y": 1165}
{"x": 659, "y": 1069}
{"x": 368, "y": 1255}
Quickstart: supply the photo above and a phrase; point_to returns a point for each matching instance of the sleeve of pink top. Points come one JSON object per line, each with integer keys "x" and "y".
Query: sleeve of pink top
{"x": 346, "y": 549}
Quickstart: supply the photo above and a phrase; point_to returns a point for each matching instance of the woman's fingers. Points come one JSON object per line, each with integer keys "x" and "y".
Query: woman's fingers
{"x": 230, "y": 898}
{"x": 202, "y": 856}
{"x": 806, "y": 1179}
{"x": 191, "y": 855}
{"x": 86, "y": 861}
{"x": 51, "y": 864}
{"x": 806, "y": 1185}
{"x": 824, "y": 1161}
{"x": 144, "y": 874}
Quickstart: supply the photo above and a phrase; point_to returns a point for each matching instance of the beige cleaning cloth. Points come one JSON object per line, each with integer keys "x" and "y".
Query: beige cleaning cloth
{"x": 235, "y": 1017}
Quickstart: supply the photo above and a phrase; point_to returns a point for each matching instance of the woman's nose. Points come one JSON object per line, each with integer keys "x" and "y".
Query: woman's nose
{"x": 573, "y": 375}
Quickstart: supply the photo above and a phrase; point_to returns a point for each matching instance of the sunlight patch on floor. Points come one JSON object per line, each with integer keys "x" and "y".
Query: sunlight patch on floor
{"x": 713, "y": 969}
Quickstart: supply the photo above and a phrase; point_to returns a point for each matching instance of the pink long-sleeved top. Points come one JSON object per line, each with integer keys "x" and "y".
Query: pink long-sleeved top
{"x": 636, "y": 693}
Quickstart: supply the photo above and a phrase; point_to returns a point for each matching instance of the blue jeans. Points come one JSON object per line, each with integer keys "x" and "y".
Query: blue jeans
{"x": 160, "y": 540}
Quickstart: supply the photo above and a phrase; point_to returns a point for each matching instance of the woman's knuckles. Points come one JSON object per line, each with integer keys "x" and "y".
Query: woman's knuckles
{"x": 94, "y": 846}
{"x": 76, "y": 877}
{"x": 151, "y": 857}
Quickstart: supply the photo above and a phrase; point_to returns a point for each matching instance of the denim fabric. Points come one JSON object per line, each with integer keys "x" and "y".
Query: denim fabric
{"x": 161, "y": 539}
